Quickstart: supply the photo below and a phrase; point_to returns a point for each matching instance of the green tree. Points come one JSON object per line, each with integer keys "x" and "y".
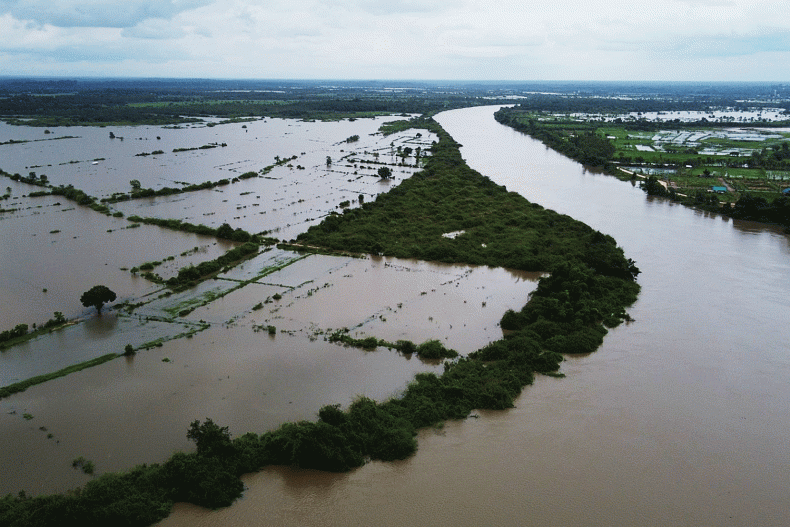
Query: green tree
{"x": 385, "y": 173}
{"x": 97, "y": 296}
{"x": 210, "y": 438}
{"x": 225, "y": 231}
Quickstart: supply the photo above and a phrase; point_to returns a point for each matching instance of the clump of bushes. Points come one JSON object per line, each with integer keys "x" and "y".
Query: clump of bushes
{"x": 433, "y": 349}
{"x": 193, "y": 273}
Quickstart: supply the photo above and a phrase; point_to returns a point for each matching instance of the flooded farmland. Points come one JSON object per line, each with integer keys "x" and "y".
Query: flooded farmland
{"x": 679, "y": 418}
{"x": 248, "y": 348}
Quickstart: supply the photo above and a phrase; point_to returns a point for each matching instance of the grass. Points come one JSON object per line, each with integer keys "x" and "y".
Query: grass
{"x": 21, "y": 386}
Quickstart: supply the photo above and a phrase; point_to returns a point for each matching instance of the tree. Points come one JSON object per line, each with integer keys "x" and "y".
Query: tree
{"x": 385, "y": 173}
{"x": 97, "y": 296}
{"x": 328, "y": 161}
{"x": 210, "y": 438}
{"x": 135, "y": 183}
{"x": 225, "y": 231}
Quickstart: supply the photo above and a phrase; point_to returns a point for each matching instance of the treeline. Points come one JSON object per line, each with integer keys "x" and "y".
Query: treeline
{"x": 20, "y": 330}
{"x": 581, "y": 143}
{"x": 191, "y": 274}
{"x": 568, "y": 103}
{"x": 224, "y": 231}
{"x": 747, "y": 207}
{"x": 775, "y": 158}
{"x": 430, "y": 349}
{"x": 164, "y": 191}
{"x": 170, "y": 106}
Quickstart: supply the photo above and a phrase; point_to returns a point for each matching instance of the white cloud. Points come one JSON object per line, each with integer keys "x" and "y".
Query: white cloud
{"x": 97, "y": 13}
{"x": 463, "y": 39}
{"x": 154, "y": 28}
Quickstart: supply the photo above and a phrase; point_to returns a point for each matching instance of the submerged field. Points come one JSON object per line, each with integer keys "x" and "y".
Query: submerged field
{"x": 249, "y": 346}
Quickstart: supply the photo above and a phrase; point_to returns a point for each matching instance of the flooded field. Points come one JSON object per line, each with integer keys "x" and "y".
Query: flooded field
{"x": 54, "y": 250}
{"x": 285, "y": 200}
{"x": 247, "y": 348}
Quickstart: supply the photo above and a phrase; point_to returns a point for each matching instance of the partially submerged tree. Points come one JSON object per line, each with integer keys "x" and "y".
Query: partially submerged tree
{"x": 97, "y": 296}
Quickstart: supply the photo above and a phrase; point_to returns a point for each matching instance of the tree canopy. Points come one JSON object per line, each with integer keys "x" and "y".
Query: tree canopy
{"x": 97, "y": 296}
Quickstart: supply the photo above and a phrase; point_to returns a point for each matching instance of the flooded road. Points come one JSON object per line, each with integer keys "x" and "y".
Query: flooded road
{"x": 680, "y": 418}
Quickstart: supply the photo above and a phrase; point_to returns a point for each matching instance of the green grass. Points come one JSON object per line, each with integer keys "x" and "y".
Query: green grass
{"x": 21, "y": 386}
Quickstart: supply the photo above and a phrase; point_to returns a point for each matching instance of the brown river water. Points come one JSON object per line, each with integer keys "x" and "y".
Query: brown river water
{"x": 680, "y": 418}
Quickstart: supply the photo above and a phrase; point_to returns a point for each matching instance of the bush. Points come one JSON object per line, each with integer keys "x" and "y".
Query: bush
{"x": 433, "y": 349}
{"x": 406, "y": 347}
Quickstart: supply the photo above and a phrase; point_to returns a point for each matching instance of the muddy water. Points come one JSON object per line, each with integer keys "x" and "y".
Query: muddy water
{"x": 287, "y": 200}
{"x": 680, "y": 418}
{"x": 137, "y": 410}
{"x": 50, "y": 243}
{"x": 52, "y": 251}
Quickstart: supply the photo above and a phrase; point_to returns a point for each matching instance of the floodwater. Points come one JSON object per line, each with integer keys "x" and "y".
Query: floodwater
{"x": 137, "y": 410}
{"x": 285, "y": 201}
{"x": 54, "y": 250}
{"x": 680, "y": 418}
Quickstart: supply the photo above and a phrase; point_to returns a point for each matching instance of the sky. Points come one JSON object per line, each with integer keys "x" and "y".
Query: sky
{"x": 659, "y": 40}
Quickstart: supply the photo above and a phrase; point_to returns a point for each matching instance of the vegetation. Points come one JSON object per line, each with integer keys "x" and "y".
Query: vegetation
{"x": 689, "y": 174}
{"x": 430, "y": 349}
{"x": 97, "y": 296}
{"x": 223, "y": 231}
{"x": 27, "y": 383}
{"x": 21, "y": 333}
{"x": 100, "y": 103}
{"x": 191, "y": 274}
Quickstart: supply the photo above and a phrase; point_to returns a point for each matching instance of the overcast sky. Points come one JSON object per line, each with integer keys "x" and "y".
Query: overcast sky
{"x": 705, "y": 40}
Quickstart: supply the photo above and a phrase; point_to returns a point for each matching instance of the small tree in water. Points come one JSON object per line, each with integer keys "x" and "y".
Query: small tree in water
{"x": 97, "y": 296}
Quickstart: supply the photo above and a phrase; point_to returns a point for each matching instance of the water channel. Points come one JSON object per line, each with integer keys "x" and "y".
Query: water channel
{"x": 680, "y": 418}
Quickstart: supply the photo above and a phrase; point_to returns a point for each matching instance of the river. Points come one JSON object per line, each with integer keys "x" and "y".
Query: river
{"x": 682, "y": 417}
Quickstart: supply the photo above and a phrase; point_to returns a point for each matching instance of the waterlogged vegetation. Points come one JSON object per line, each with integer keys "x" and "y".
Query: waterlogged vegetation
{"x": 11, "y": 389}
{"x": 430, "y": 349}
{"x": 21, "y": 332}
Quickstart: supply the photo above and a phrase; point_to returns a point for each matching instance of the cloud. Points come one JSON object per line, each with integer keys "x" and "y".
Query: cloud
{"x": 761, "y": 41}
{"x": 97, "y": 13}
{"x": 155, "y": 29}
{"x": 459, "y": 39}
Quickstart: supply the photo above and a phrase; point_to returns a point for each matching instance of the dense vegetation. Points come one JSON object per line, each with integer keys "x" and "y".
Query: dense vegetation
{"x": 590, "y": 284}
{"x": 94, "y": 102}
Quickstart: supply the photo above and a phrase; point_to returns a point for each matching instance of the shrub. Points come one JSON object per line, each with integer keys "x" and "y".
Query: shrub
{"x": 433, "y": 349}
